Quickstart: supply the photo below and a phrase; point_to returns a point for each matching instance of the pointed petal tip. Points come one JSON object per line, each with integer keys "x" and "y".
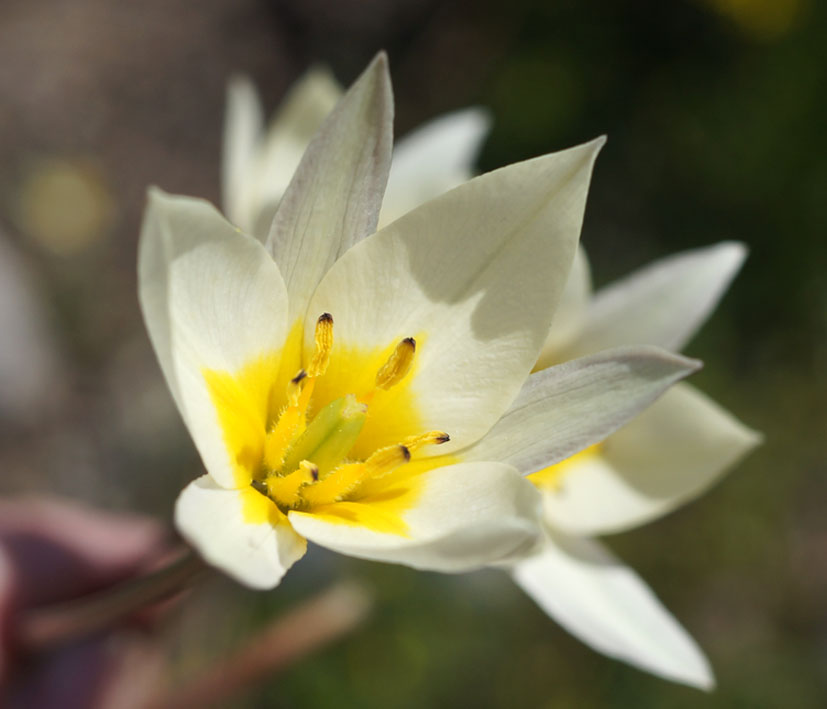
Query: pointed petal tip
{"x": 239, "y": 82}
{"x": 752, "y": 439}
{"x": 318, "y": 72}
{"x": 156, "y": 197}
{"x": 379, "y": 65}
{"x": 688, "y": 364}
{"x": 587, "y": 152}
{"x": 380, "y": 59}
{"x": 733, "y": 252}
{"x": 699, "y": 677}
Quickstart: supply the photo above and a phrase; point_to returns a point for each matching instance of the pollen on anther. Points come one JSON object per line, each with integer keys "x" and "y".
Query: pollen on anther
{"x": 323, "y": 337}
{"x": 398, "y": 364}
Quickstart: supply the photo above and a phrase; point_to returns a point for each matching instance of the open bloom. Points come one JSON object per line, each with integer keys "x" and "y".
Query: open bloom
{"x": 259, "y": 163}
{"x": 345, "y": 389}
{"x": 666, "y": 456}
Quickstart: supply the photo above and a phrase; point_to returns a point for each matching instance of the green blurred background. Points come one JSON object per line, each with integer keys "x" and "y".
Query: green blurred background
{"x": 716, "y": 120}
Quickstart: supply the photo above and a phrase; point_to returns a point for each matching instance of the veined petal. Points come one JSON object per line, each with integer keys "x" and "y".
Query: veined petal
{"x": 474, "y": 276}
{"x": 662, "y": 304}
{"x": 243, "y": 125}
{"x": 570, "y": 316}
{"x": 213, "y": 301}
{"x": 334, "y": 198}
{"x": 666, "y": 456}
{"x": 454, "y": 518}
{"x": 564, "y": 409}
{"x": 303, "y": 110}
{"x": 432, "y": 160}
{"x": 241, "y": 532}
{"x": 605, "y": 604}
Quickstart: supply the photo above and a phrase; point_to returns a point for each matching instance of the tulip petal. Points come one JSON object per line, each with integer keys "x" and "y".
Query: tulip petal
{"x": 453, "y": 518}
{"x": 474, "y": 275}
{"x": 562, "y": 410}
{"x": 303, "y": 110}
{"x": 605, "y": 604}
{"x": 243, "y": 125}
{"x": 241, "y": 532}
{"x": 662, "y": 304}
{"x": 334, "y": 198}
{"x": 570, "y": 316}
{"x": 213, "y": 300}
{"x": 432, "y": 160}
{"x": 668, "y": 455}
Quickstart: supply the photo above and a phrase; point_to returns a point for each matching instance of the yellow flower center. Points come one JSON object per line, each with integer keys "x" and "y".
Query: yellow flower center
{"x": 308, "y": 461}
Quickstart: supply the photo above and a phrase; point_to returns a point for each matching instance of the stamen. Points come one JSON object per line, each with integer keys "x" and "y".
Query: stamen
{"x": 336, "y": 486}
{"x": 437, "y": 438}
{"x": 386, "y": 460}
{"x": 291, "y": 423}
{"x": 347, "y": 478}
{"x": 324, "y": 345}
{"x": 294, "y": 387}
{"x": 398, "y": 364}
{"x": 285, "y": 490}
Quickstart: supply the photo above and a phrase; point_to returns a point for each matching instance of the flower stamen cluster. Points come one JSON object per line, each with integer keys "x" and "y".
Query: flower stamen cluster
{"x": 307, "y": 460}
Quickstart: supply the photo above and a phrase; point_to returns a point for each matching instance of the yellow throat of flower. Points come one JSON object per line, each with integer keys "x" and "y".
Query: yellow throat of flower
{"x": 309, "y": 461}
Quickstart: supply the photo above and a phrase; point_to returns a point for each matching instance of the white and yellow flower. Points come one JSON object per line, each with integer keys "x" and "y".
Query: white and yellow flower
{"x": 666, "y": 456}
{"x": 345, "y": 387}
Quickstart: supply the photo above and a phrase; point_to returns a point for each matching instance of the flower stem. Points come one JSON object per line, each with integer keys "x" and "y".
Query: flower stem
{"x": 313, "y": 625}
{"x": 44, "y": 628}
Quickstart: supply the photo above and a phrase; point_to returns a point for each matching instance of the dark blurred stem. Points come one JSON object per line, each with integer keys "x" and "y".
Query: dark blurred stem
{"x": 304, "y": 629}
{"x": 43, "y": 628}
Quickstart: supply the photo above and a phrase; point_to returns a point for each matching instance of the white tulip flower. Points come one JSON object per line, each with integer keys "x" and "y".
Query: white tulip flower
{"x": 344, "y": 386}
{"x": 670, "y": 453}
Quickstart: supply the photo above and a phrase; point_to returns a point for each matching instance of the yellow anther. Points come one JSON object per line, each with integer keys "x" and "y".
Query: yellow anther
{"x": 398, "y": 364}
{"x": 324, "y": 344}
{"x": 285, "y": 490}
{"x": 386, "y": 460}
{"x": 414, "y": 443}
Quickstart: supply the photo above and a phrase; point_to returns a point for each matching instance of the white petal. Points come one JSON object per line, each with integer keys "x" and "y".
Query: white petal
{"x": 432, "y": 160}
{"x": 243, "y": 124}
{"x": 562, "y": 410}
{"x": 663, "y": 304}
{"x": 606, "y": 605}
{"x": 474, "y": 275}
{"x": 241, "y": 532}
{"x": 668, "y": 455}
{"x": 212, "y": 299}
{"x": 303, "y": 110}
{"x": 334, "y": 198}
{"x": 570, "y": 316}
{"x": 454, "y": 518}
